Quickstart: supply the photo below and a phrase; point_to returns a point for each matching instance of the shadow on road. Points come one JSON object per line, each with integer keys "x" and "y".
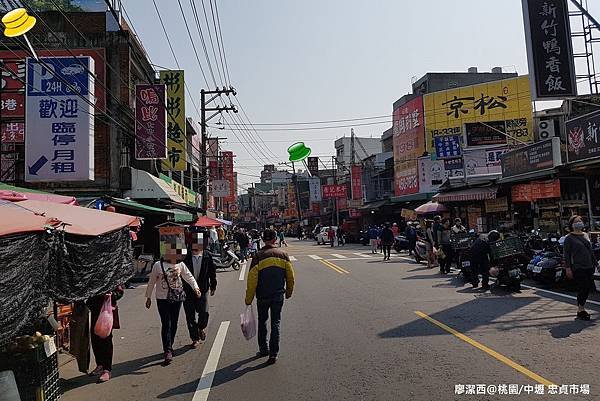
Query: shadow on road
{"x": 565, "y": 329}
{"x": 222, "y": 376}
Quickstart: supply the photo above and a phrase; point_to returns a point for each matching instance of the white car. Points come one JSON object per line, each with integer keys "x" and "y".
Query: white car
{"x": 322, "y": 237}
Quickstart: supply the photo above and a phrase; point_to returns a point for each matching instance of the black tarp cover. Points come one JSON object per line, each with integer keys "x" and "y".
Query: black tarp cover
{"x": 37, "y": 267}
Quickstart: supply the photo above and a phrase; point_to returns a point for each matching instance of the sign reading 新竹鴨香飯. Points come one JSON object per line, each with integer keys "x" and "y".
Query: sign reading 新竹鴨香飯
{"x": 549, "y": 49}
{"x": 59, "y": 121}
{"x": 176, "y": 137}
{"x": 481, "y": 113}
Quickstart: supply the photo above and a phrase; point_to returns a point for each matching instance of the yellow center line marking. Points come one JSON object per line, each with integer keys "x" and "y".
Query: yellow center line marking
{"x": 487, "y": 350}
{"x": 334, "y": 266}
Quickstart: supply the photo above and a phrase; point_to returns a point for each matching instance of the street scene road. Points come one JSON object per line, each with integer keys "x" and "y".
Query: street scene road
{"x": 356, "y": 328}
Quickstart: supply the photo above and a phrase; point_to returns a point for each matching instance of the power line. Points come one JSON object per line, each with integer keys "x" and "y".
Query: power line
{"x": 191, "y": 40}
{"x": 212, "y": 44}
{"x": 222, "y": 43}
{"x": 313, "y": 128}
{"x": 199, "y": 28}
{"x": 325, "y": 121}
{"x": 212, "y": 11}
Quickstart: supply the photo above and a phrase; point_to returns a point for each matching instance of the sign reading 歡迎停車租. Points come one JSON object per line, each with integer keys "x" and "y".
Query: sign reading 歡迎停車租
{"x": 59, "y": 119}
{"x": 549, "y": 49}
{"x": 466, "y": 110}
{"x": 174, "y": 80}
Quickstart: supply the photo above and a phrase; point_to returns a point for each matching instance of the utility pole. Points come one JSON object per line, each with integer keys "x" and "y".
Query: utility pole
{"x": 296, "y": 188}
{"x": 217, "y": 110}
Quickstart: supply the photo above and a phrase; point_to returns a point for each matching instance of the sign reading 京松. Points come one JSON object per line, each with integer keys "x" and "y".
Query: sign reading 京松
{"x": 150, "y": 122}
{"x": 549, "y": 49}
{"x": 582, "y": 137}
{"x": 537, "y": 157}
{"x": 449, "y": 111}
{"x": 59, "y": 140}
{"x": 176, "y": 137}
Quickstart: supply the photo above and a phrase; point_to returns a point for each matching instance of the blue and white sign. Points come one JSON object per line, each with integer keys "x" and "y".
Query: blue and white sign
{"x": 447, "y": 146}
{"x": 59, "y": 123}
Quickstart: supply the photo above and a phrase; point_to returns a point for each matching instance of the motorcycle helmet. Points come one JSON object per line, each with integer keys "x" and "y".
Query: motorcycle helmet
{"x": 494, "y": 271}
{"x": 493, "y": 236}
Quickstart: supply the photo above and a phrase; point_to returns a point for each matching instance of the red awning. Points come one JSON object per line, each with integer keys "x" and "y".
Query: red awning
{"x": 15, "y": 196}
{"x": 204, "y": 221}
{"x": 469, "y": 194}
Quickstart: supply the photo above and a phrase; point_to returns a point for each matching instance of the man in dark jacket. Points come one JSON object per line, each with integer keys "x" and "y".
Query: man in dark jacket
{"x": 387, "y": 240}
{"x": 271, "y": 276}
{"x": 480, "y": 261}
{"x": 200, "y": 264}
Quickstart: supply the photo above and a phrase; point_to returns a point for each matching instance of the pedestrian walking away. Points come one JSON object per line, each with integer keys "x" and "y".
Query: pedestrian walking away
{"x": 446, "y": 247}
{"x": 373, "y": 234}
{"x": 331, "y": 236}
{"x": 103, "y": 347}
{"x": 387, "y": 240}
{"x": 581, "y": 262}
{"x": 281, "y": 236}
{"x": 340, "y": 236}
{"x": 411, "y": 236}
{"x": 270, "y": 279}
{"x": 200, "y": 264}
{"x": 166, "y": 276}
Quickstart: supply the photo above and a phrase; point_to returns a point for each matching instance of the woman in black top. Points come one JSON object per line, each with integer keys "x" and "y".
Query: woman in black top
{"x": 581, "y": 263}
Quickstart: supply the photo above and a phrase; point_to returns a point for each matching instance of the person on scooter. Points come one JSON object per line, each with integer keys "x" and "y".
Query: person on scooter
{"x": 581, "y": 263}
{"x": 458, "y": 227}
{"x": 480, "y": 259}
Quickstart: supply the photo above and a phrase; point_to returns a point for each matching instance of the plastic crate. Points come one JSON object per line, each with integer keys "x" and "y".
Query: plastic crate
{"x": 506, "y": 248}
{"x": 36, "y": 374}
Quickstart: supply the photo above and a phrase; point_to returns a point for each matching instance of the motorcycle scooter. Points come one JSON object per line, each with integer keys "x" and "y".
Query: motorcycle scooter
{"x": 226, "y": 259}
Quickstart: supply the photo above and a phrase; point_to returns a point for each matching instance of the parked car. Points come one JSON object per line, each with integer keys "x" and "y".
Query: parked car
{"x": 322, "y": 237}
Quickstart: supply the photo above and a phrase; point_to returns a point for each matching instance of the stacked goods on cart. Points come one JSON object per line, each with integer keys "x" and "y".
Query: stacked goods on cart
{"x": 507, "y": 247}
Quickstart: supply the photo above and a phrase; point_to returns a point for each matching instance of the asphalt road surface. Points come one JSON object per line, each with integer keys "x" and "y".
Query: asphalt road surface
{"x": 358, "y": 328}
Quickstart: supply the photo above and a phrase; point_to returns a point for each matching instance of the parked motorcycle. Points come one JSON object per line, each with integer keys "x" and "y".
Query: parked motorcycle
{"x": 506, "y": 262}
{"x": 420, "y": 250}
{"x": 226, "y": 259}
{"x": 401, "y": 243}
{"x": 364, "y": 237}
{"x": 547, "y": 266}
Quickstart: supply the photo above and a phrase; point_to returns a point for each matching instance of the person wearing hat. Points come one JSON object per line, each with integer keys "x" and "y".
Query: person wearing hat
{"x": 270, "y": 279}
{"x": 200, "y": 264}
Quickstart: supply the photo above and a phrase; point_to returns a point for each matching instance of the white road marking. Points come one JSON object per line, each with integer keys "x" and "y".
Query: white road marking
{"x": 243, "y": 270}
{"x": 208, "y": 374}
{"x": 315, "y": 257}
{"x": 557, "y": 293}
{"x": 362, "y": 255}
{"x": 293, "y": 259}
{"x": 337, "y": 255}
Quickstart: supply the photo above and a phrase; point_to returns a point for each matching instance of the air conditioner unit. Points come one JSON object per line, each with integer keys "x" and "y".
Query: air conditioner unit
{"x": 545, "y": 129}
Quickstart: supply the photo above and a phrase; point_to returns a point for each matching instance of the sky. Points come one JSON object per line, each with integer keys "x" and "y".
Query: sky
{"x": 313, "y": 60}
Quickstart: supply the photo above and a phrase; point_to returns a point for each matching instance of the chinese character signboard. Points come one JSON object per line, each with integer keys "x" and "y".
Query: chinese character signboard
{"x": 582, "y": 137}
{"x": 175, "y": 101}
{"x": 447, "y": 146}
{"x": 447, "y": 112}
{"x": 150, "y": 122}
{"x": 536, "y": 190}
{"x": 59, "y": 122}
{"x": 13, "y": 73}
{"x": 357, "y": 182}
{"x": 220, "y": 188}
{"x": 227, "y": 164}
{"x": 480, "y": 162}
{"x": 485, "y": 134}
{"x": 314, "y": 184}
{"x": 12, "y": 105}
{"x": 496, "y": 205}
{"x": 537, "y": 157}
{"x": 334, "y": 191}
{"x": 549, "y": 48}
{"x": 313, "y": 165}
{"x": 12, "y": 132}
{"x": 432, "y": 173}
{"x": 408, "y": 130}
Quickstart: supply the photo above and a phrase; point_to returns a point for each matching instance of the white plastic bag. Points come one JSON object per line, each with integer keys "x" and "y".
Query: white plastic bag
{"x": 248, "y": 322}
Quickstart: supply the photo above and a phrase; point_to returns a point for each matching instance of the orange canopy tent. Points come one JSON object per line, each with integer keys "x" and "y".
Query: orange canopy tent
{"x": 34, "y": 215}
{"x": 204, "y": 221}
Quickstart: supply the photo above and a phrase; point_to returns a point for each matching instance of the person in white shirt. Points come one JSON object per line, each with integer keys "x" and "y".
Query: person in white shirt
{"x": 214, "y": 239}
{"x": 458, "y": 227}
{"x": 201, "y": 265}
{"x": 166, "y": 275}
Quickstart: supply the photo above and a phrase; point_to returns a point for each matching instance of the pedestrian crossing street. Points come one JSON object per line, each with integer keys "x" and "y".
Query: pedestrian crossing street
{"x": 345, "y": 256}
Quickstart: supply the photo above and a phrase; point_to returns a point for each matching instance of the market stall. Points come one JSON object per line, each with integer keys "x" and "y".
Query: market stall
{"x": 52, "y": 252}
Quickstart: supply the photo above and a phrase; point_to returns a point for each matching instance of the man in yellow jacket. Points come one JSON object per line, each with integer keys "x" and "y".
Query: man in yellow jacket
{"x": 270, "y": 278}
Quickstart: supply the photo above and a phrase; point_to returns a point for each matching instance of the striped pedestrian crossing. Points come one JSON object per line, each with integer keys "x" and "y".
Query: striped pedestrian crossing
{"x": 315, "y": 257}
{"x": 362, "y": 255}
{"x": 337, "y": 255}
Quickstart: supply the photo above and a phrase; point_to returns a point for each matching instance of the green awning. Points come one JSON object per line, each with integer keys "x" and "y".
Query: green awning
{"x": 6, "y": 187}
{"x": 174, "y": 214}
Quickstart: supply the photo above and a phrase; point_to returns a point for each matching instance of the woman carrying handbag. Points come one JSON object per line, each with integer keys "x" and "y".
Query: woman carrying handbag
{"x": 166, "y": 276}
{"x": 581, "y": 263}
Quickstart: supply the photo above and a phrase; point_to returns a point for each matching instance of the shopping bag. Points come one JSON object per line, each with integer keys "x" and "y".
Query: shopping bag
{"x": 248, "y": 322}
{"x": 104, "y": 324}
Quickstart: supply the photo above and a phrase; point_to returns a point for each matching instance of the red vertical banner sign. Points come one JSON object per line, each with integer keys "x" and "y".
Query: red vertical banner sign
{"x": 227, "y": 163}
{"x": 357, "y": 182}
{"x": 150, "y": 122}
